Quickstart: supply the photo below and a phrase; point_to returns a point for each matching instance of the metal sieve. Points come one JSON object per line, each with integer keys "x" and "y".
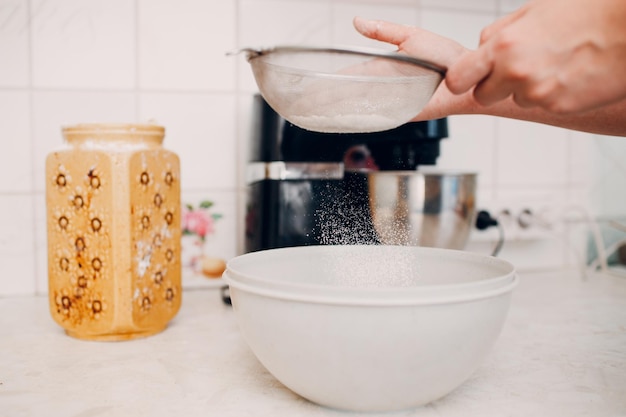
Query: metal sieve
{"x": 343, "y": 90}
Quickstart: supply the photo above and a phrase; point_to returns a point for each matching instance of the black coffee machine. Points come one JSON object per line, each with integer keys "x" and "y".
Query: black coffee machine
{"x": 304, "y": 187}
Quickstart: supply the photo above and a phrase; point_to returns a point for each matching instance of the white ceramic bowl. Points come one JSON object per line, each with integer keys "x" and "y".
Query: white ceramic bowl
{"x": 370, "y": 328}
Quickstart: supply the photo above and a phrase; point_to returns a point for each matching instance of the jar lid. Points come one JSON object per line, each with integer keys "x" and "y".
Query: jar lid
{"x": 115, "y": 128}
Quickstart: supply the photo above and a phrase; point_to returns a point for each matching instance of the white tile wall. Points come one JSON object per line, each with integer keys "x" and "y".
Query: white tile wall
{"x": 201, "y": 129}
{"x": 509, "y": 6}
{"x": 181, "y": 44}
{"x": 531, "y": 154}
{"x": 471, "y": 146}
{"x": 460, "y": 25}
{"x": 83, "y": 44}
{"x": 579, "y": 164}
{"x": 16, "y": 165}
{"x": 474, "y": 5}
{"x": 263, "y": 23}
{"x": 74, "y": 61}
{"x": 608, "y": 190}
{"x": 14, "y": 42}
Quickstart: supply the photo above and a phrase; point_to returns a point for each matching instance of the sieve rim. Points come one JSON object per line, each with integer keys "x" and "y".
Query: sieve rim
{"x": 252, "y": 53}
{"x": 300, "y": 72}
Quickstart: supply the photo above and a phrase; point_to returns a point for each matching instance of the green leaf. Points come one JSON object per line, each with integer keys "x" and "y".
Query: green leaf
{"x": 206, "y": 204}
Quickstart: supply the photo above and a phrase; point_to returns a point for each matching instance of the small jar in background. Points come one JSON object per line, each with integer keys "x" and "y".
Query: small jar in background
{"x": 113, "y": 220}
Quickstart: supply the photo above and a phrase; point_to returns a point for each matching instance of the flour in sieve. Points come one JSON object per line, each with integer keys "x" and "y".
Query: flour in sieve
{"x": 346, "y": 123}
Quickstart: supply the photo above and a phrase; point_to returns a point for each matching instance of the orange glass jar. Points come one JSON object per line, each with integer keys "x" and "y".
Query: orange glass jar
{"x": 113, "y": 220}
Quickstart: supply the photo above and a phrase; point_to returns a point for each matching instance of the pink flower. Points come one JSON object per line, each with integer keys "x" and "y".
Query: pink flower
{"x": 198, "y": 222}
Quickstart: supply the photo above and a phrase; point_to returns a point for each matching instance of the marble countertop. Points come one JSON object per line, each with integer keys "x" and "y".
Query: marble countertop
{"x": 562, "y": 353}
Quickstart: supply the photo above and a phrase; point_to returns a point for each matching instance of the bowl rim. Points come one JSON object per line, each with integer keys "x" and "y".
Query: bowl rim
{"x": 502, "y": 279}
{"x": 372, "y": 300}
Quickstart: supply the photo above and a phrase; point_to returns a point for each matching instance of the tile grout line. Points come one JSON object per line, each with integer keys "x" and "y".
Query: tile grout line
{"x": 137, "y": 64}
{"x": 240, "y": 164}
{"x": 37, "y": 268}
{"x": 494, "y": 161}
{"x": 119, "y": 90}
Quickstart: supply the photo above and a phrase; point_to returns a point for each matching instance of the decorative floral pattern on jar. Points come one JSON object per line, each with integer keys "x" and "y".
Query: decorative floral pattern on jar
{"x": 113, "y": 212}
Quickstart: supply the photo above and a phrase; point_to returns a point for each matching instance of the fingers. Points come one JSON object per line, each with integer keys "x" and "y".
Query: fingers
{"x": 411, "y": 40}
{"x": 469, "y": 70}
{"x": 493, "y": 80}
{"x": 476, "y": 68}
{"x": 381, "y": 30}
{"x": 493, "y": 89}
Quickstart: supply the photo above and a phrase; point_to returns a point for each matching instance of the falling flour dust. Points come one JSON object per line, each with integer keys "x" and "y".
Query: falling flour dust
{"x": 341, "y": 222}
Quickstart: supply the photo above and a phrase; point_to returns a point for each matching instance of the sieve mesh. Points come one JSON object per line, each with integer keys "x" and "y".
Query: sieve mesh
{"x": 343, "y": 91}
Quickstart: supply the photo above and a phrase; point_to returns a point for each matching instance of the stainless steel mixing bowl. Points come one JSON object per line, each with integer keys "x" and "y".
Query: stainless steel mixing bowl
{"x": 428, "y": 207}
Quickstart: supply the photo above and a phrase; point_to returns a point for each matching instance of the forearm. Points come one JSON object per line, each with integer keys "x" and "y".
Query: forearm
{"x": 608, "y": 120}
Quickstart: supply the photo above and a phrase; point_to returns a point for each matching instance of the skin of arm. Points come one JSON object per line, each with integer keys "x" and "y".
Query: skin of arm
{"x": 566, "y": 56}
{"x": 607, "y": 120}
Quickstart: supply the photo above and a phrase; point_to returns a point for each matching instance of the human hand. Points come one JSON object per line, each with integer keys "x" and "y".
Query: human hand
{"x": 411, "y": 40}
{"x": 423, "y": 44}
{"x": 426, "y": 45}
{"x": 564, "y": 56}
